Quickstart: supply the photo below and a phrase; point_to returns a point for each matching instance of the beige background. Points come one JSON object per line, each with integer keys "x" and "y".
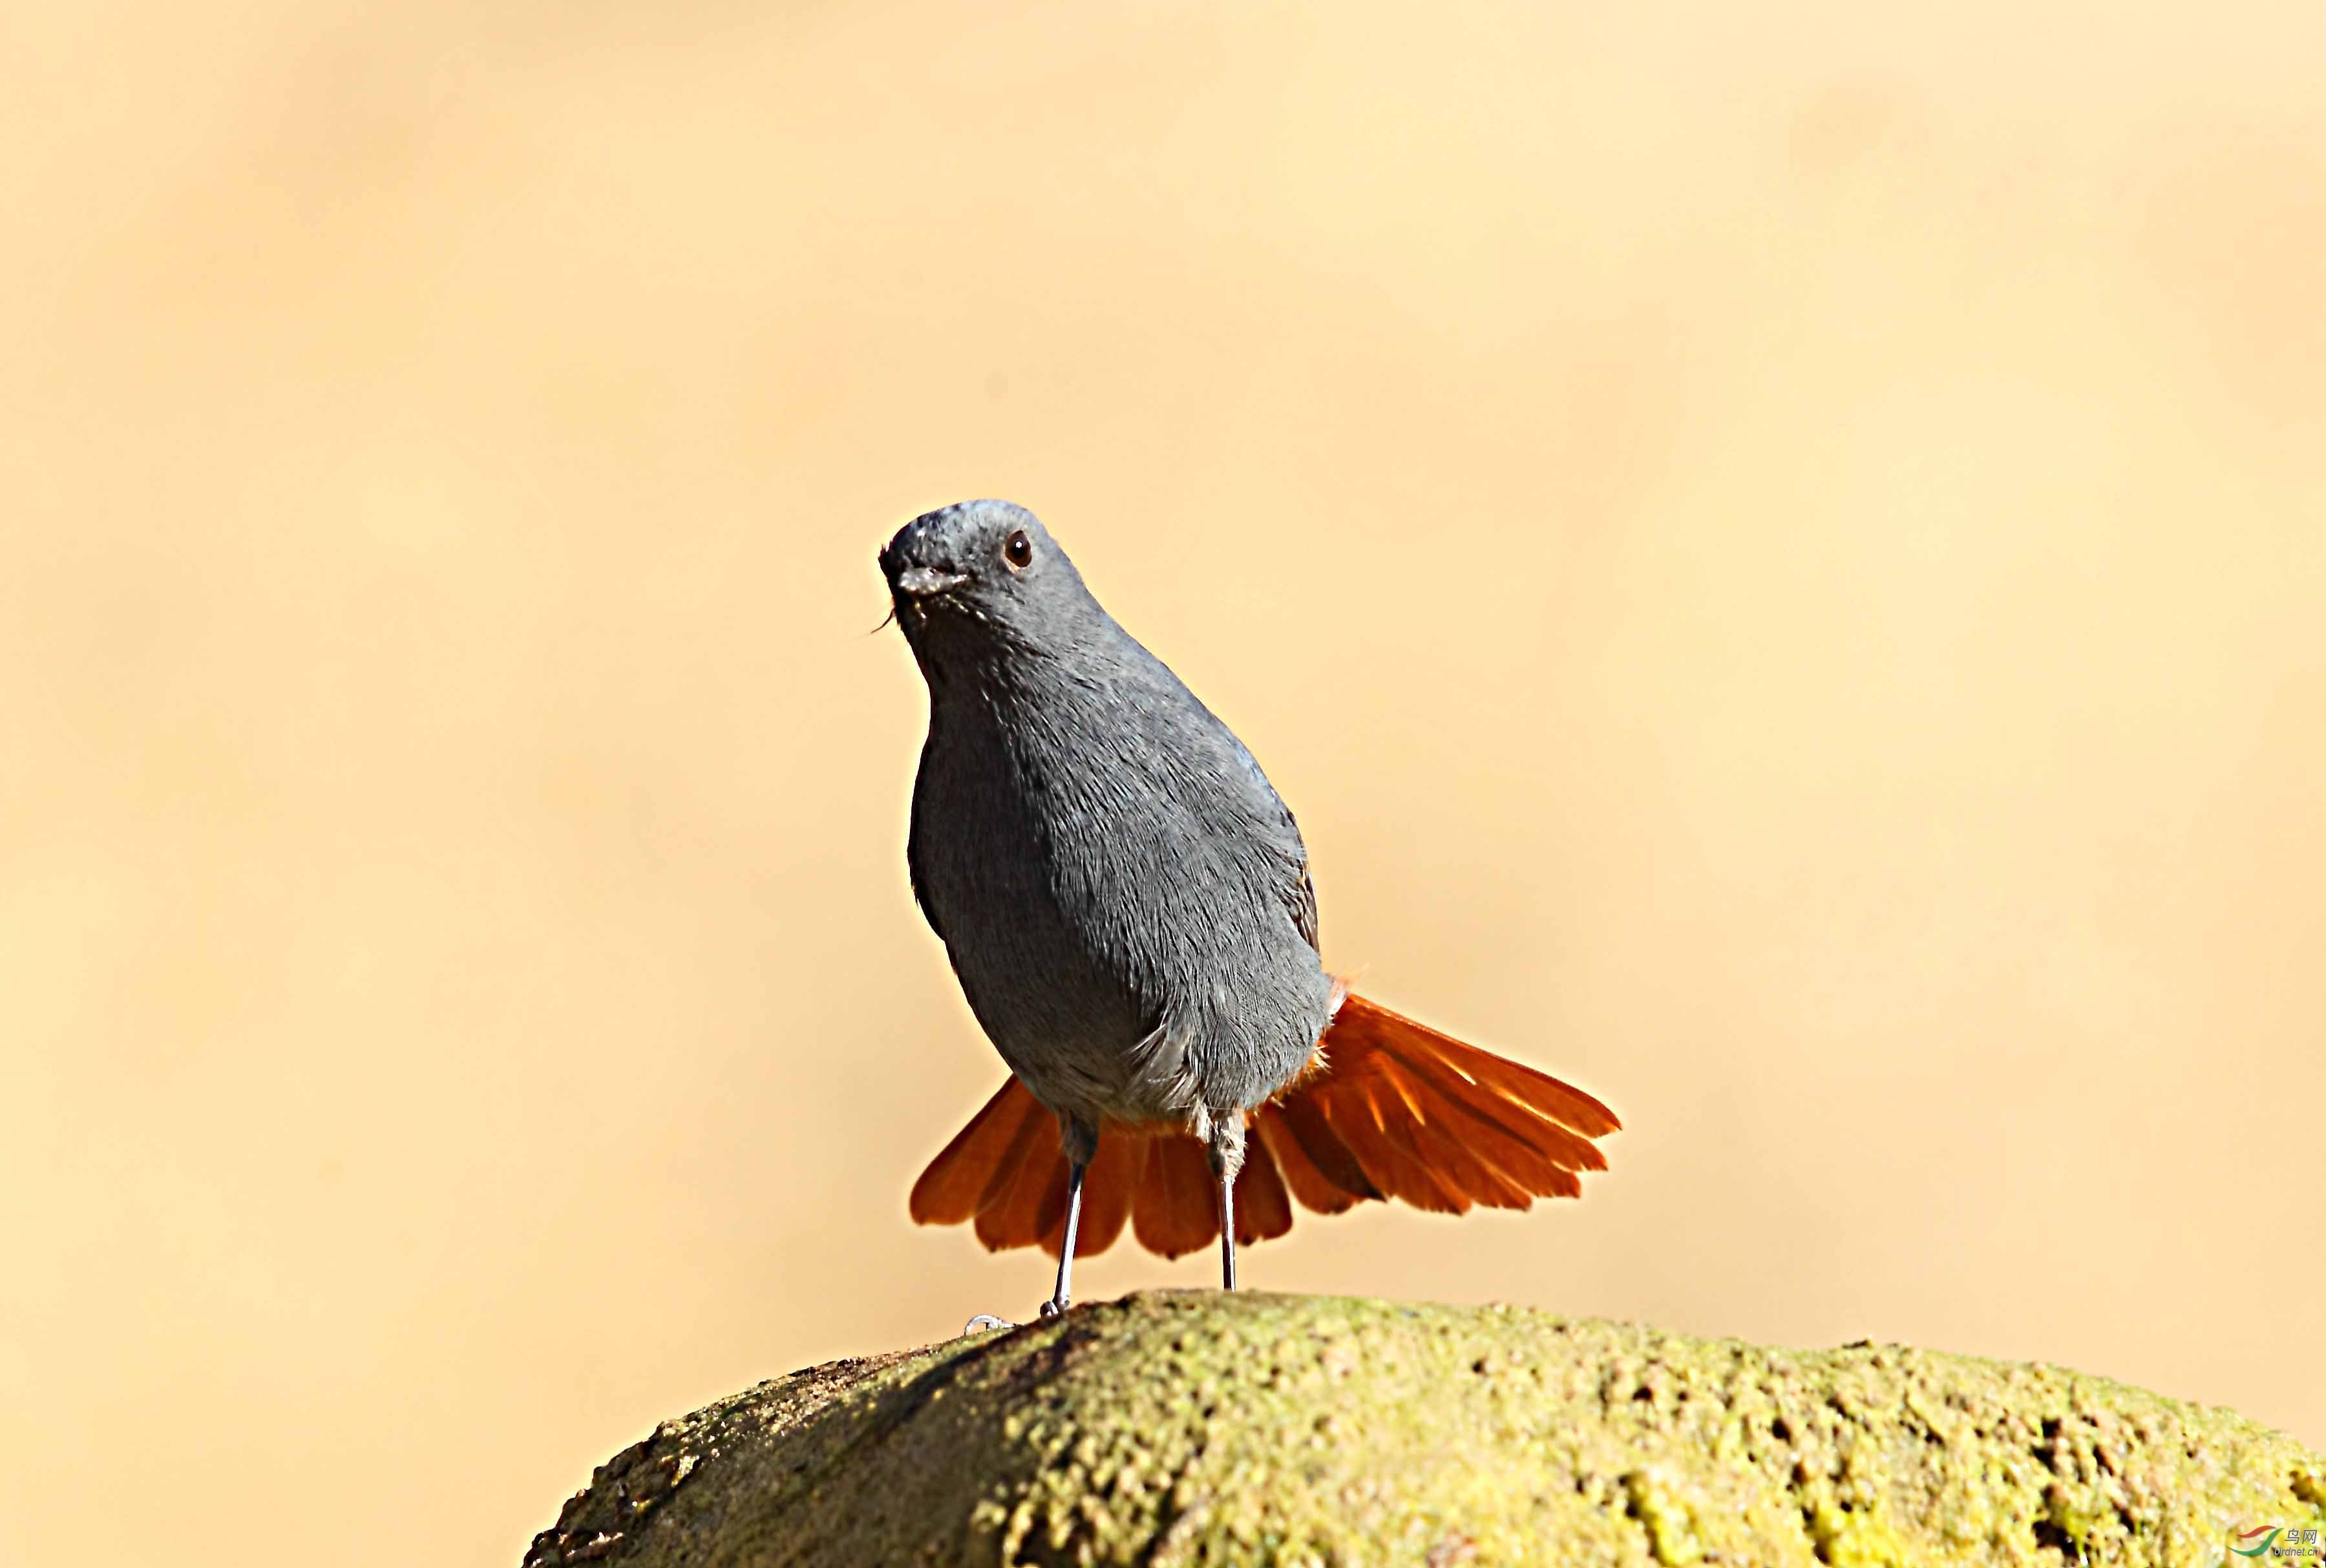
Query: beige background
{"x": 1778, "y": 554}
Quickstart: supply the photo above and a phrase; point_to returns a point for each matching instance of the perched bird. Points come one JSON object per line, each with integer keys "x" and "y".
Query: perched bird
{"x": 1127, "y": 905}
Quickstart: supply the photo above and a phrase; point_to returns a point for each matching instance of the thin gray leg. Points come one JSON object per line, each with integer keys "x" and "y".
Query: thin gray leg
{"x": 1064, "y": 1293}
{"x": 1078, "y": 1140}
{"x": 1225, "y": 1147}
{"x": 1227, "y": 1233}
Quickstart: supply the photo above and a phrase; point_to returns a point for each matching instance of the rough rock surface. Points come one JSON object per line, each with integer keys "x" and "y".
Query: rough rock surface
{"x": 1182, "y": 1428}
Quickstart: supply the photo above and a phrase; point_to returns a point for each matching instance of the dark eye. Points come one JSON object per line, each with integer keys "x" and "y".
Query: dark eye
{"x": 1019, "y": 551}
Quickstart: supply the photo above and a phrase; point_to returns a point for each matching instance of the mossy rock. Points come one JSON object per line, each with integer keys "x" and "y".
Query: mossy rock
{"x": 1174, "y": 1428}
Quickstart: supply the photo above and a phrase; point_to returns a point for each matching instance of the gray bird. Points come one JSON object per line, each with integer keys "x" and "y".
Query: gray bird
{"x": 1127, "y": 904}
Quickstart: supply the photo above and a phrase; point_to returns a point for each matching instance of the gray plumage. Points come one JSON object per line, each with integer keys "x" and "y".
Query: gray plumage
{"x": 1123, "y": 897}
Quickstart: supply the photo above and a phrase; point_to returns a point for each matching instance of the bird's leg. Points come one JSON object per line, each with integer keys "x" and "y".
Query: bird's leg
{"x": 1080, "y": 1139}
{"x": 1227, "y": 1234}
{"x": 1225, "y": 1148}
{"x": 1064, "y": 1293}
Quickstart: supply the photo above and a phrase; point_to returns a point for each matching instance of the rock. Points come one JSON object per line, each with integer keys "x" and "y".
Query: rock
{"x": 1196, "y": 1427}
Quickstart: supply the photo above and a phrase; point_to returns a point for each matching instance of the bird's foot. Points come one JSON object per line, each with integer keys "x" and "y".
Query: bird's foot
{"x": 986, "y": 1322}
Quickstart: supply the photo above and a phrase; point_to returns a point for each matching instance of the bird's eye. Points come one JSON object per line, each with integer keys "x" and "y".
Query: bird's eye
{"x": 1019, "y": 551}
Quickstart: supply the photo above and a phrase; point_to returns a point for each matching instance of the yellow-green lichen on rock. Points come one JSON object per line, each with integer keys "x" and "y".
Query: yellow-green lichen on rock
{"x": 1180, "y": 1428}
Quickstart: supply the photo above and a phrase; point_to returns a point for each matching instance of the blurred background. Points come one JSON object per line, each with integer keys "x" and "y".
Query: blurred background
{"x": 1779, "y": 555}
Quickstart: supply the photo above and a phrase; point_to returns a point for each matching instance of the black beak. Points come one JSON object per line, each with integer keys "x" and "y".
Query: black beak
{"x": 923, "y": 582}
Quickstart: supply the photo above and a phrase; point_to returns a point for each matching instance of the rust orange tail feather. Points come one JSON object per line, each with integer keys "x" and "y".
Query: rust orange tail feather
{"x": 1387, "y": 1109}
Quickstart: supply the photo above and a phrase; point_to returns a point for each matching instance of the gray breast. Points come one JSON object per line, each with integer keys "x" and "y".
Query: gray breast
{"x": 1121, "y": 895}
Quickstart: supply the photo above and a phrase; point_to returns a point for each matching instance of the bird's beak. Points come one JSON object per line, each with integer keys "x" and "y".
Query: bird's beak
{"x": 922, "y": 582}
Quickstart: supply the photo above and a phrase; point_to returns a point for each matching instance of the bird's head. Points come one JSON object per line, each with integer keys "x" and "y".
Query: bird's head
{"x": 982, "y": 580}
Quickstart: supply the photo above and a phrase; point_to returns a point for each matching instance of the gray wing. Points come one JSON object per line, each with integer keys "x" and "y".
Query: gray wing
{"x": 1267, "y": 807}
{"x": 921, "y": 890}
{"x": 913, "y": 868}
{"x": 1179, "y": 713}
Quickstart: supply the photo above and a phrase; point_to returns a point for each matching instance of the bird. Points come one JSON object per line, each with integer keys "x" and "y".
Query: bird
{"x": 1127, "y": 905}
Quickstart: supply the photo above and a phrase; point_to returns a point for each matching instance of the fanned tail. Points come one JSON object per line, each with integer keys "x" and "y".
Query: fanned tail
{"x": 1387, "y": 1109}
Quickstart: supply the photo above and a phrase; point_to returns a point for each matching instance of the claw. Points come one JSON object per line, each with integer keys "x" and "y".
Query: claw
{"x": 985, "y": 1323}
